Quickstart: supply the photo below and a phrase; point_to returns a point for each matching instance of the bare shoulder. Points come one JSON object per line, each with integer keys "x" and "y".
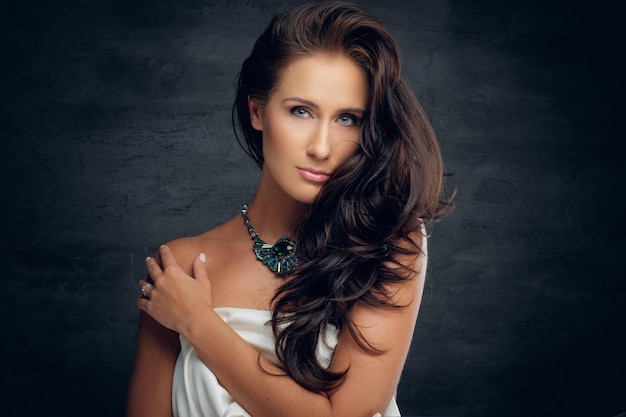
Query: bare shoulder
{"x": 409, "y": 291}
{"x": 418, "y": 261}
{"x": 186, "y": 249}
{"x": 375, "y": 323}
{"x": 406, "y": 295}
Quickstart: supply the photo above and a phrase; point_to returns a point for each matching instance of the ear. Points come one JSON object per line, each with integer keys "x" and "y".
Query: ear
{"x": 256, "y": 114}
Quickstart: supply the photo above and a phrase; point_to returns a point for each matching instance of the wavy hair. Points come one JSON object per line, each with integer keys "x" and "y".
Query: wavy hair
{"x": 365, "y": 216}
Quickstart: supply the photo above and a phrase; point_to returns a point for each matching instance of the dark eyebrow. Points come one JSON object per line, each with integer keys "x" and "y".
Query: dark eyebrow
{"x": 315, "y": 106}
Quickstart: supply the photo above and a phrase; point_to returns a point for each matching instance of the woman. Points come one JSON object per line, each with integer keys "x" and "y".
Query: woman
{"x": 319, "y": 323}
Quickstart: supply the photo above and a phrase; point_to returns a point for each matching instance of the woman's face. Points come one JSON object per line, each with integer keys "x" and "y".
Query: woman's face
{"x": 311, "y": 122}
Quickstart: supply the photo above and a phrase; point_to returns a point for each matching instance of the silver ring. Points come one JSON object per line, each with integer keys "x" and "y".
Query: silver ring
{"x": 144, "y": 289}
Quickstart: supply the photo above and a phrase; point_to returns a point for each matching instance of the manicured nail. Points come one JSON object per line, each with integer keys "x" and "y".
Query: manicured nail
{"x": 161, "y": 246}
{"x": 203, "y": 257}
{"x": 148, "y": 258}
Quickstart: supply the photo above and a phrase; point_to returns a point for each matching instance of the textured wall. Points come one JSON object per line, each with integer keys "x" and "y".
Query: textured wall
{"x": 115, "y": 129}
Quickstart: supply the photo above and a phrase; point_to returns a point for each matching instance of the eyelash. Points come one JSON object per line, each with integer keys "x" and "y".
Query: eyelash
{"x": 354, "y": 121}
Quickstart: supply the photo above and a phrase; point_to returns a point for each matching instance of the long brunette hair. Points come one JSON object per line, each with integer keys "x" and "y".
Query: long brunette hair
{"x": 367, "y": 214}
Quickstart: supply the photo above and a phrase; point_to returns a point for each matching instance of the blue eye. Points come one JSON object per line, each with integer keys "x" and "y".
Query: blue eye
{"x": 348, "y": 120}
{"x": 300, "y": 112}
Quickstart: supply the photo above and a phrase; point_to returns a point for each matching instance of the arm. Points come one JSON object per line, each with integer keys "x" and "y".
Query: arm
{"x": 369, "y": 384}
{"x": 367, "y": 389}
{"x": 150, "y": 390}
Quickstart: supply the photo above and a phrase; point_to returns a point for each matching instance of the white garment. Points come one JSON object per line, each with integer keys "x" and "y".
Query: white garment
{"x": 196, "y": 391}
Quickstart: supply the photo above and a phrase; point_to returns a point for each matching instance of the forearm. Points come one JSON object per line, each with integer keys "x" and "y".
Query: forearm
{"x": 236, "y": 364}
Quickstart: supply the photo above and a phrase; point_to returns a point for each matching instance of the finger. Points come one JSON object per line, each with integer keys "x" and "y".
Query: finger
{"x": 153, "y": 267}
{"x": 142, "y": 283}
{"x": 199, "y": 268}
{"x": 146, "y": 288}
{"x": 142, "y": 303}
{"x": 167, "y": 257}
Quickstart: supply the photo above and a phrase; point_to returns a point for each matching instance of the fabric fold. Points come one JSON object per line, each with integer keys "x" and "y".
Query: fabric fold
{"x": 196, "y": 392}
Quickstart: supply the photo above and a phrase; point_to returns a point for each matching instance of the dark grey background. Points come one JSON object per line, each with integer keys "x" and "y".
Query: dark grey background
{"x": 115, "y": 128}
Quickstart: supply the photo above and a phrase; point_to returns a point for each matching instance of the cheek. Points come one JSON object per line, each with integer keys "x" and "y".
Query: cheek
{"x": 286, "y": 131}
{"x": 279, "y": 137}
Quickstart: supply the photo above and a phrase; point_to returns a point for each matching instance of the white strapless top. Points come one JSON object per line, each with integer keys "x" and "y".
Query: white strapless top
{"x": 196, "y": 391}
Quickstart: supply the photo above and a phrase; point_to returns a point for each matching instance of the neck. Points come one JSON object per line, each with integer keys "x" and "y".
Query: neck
{"x": 273, "y": 213}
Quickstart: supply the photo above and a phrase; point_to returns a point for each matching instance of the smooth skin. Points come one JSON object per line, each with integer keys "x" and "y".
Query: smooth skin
{"x": 310, "y": 124}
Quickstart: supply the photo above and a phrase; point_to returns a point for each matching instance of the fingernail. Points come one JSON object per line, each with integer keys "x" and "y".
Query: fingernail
{"x": 148, "y": 258}
{"x": 161, "y": 246}
{"x": 203, "y": 257}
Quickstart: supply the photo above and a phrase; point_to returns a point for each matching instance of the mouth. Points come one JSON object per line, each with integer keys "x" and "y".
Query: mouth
{"x": 314, "y": 175}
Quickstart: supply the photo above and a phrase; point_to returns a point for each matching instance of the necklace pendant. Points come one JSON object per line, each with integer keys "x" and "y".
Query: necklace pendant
{"x": 281, "y": 257}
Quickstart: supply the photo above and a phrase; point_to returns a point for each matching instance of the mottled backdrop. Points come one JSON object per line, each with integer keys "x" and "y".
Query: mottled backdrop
{"x": 116, "y": 137}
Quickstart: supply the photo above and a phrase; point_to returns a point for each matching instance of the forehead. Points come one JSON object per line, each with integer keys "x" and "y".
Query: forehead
{"x": 324, "y": 78}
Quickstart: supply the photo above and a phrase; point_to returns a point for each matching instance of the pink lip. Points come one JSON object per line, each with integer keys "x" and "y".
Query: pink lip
{"x": 314, "y": 175}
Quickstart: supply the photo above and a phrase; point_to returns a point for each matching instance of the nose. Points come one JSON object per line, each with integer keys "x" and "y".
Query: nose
{"x": 319, "y": 146}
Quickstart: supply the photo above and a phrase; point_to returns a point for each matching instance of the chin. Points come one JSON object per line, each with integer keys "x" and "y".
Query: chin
{"x": 305, "y": 200}
{"x": 301, "y": 196}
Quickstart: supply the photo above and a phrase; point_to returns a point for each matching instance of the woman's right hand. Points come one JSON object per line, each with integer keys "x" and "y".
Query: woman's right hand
{"x": 176, "y": 298}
